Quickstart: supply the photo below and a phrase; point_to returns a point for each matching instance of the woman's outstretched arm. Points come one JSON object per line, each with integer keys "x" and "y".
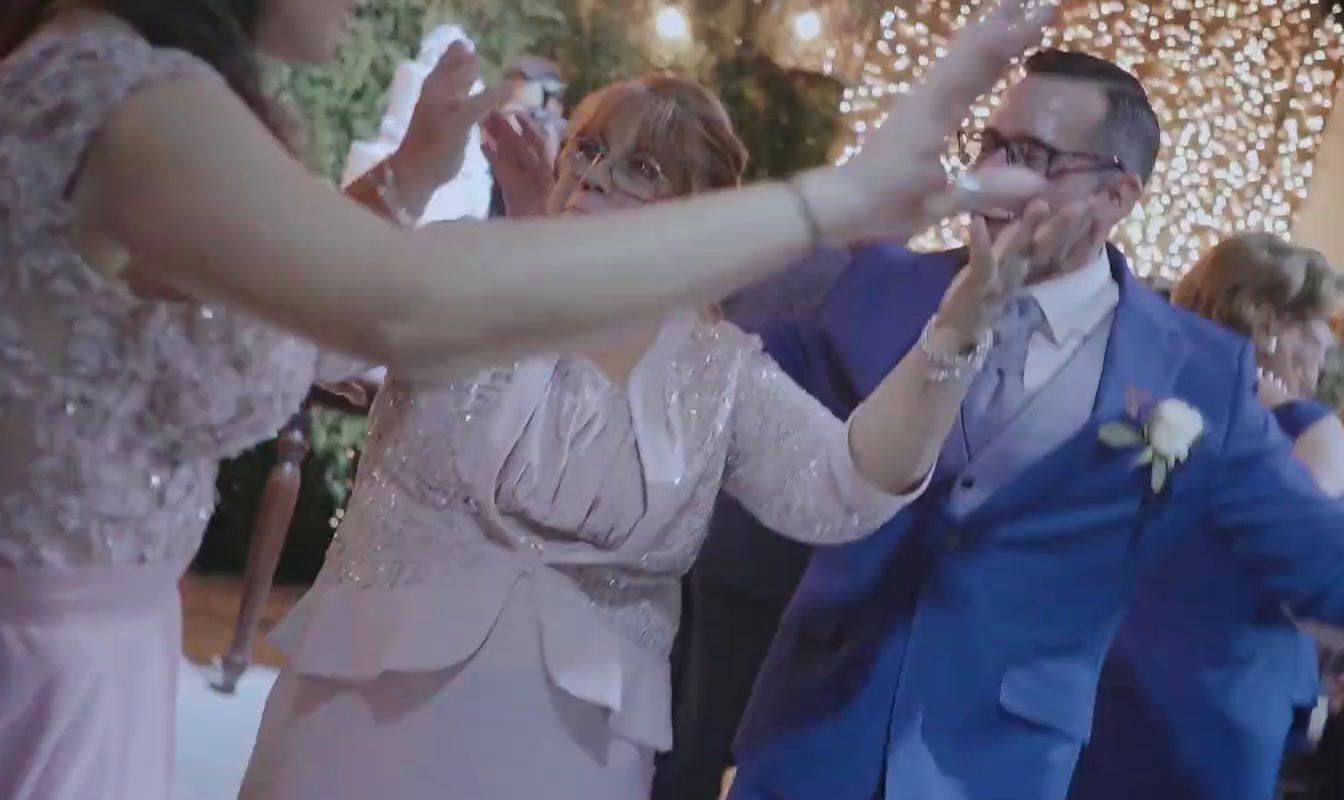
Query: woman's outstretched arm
{"x": 187, "y": 180}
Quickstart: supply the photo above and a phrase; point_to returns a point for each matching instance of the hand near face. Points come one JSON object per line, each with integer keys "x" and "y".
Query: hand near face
{"x": 996, "y": 270}
{"x": 435, "y": 144}
{"x": 900, "y": 170}
{"x": 521, "y": 161}
{"x": 1000, "y": 265}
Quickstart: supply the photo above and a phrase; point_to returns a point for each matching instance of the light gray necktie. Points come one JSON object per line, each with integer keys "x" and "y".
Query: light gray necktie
{"x": 997, "y": 394}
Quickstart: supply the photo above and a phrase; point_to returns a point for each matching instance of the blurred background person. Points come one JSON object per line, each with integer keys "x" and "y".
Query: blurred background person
{"x": 538, "y": 98}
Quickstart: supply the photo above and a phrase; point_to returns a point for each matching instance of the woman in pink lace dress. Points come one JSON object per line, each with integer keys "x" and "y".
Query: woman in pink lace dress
{"x": 155, "y": 240}
{"x": 495, "y": 616}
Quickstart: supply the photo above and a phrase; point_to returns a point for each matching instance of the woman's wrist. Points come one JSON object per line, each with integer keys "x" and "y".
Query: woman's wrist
{"x": 413, "y": 186}
{"x": 954, "y": 354}
{"x": 837, "y": 209}
{"x": 959, "y": 324}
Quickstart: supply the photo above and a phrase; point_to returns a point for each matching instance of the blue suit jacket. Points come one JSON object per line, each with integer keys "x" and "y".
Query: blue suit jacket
{"x": 973, "y": 644}
{"x": 1200, "y": 688}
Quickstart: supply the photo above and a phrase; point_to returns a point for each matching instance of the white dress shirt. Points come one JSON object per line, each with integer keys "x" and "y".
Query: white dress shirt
{"x": 1073, "y": 305}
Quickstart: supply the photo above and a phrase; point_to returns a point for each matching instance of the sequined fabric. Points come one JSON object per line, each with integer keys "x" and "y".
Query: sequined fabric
{"x": 609, "y": 486}
{"x": 114, "y": 410}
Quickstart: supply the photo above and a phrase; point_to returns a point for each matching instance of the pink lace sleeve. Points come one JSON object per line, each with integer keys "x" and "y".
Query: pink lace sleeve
{"x": 194, "y": 381}
{"x": 62, "y": 88}
{"x": 789, "y": 462}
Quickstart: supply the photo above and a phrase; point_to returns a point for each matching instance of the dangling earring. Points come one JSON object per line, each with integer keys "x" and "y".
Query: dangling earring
{"x": 1271, "y": 345}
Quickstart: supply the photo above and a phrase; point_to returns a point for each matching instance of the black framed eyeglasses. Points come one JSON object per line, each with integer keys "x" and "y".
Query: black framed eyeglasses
{"x": 637, "y": 174}
{"x": 976, "y": 147}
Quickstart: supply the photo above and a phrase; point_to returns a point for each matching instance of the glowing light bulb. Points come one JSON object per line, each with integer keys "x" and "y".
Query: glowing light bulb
{"x": 671, "y": 24}
{"x": 807, "y": 26}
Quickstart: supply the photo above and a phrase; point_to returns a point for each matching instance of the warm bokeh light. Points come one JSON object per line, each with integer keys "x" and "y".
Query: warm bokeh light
{"x": 1243, "y": 89}
{"x": 671, "y": 24}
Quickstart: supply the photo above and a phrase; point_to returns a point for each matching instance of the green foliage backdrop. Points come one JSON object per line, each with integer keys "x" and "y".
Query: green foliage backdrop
{"x": 595, "y": 43}
{"x": 344, "y": 102}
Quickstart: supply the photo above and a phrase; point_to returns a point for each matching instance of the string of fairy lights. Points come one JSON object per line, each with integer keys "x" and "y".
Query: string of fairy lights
{"x": 1243, "y": 89}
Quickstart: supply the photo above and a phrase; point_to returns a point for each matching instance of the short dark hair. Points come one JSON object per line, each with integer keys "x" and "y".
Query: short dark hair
{"x": 1130, "y": 130}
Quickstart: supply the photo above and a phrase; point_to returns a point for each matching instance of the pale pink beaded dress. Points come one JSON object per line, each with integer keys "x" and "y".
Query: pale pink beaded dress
{"x": 114, "y": 412}
{"x": 494, "y": 619}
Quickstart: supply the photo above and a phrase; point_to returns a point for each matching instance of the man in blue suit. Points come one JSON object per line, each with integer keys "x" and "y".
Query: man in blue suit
{"x": 1202, "y": 683}
{"x": 955, "y": 654}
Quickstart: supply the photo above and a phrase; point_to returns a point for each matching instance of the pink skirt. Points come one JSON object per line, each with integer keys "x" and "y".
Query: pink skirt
{"x": 88, "y": 682}
{"x": 491, "y": 728}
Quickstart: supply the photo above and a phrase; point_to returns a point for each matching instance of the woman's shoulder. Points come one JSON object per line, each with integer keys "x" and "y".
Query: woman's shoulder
{"x": 65, "y": 82}
{"x": 716, "y": 332}
{"x": 108, "y": 48}
{"x": 718, "y": 353}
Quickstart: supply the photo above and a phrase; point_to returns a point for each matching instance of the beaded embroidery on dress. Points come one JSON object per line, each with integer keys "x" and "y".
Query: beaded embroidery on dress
{"x": 114, "y": 410}
{"x": 598, "y": 495}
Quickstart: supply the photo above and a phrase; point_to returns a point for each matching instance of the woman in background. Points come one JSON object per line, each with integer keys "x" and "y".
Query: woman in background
{"x": 495, "y": 614}
{"x": 539, "y": 100}
{"x": 1203, "y": 683}
{"x": 1324, "y": 768}
{"x": 158, "y": 247}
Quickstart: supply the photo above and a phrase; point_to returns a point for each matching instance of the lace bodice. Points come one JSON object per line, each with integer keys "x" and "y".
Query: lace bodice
{"x": 114, "y": 410}
{"x": 610, "y": 486}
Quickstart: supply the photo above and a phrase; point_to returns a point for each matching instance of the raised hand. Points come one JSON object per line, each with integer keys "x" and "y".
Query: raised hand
{"x": 521, "y": 160}
{"x": 1272, "y": 390}
{"x": 996, "y": 270}
{"x": 900, "y": 171}
{"x": 432, "y": 152}
{"x": 999, "y": 267}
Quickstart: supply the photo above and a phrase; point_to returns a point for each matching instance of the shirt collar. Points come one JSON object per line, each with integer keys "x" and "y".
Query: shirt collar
{"x": 1076, "y": 302}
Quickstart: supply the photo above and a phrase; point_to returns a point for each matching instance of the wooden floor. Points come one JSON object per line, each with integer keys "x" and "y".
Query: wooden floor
{"x": 210, "y": 609}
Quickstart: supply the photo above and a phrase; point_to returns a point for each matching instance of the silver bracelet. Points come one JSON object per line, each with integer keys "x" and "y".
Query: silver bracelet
{"x": 390, "y": 197}
{"x": 809, "y": 213}
{"x": 948, "y": 367}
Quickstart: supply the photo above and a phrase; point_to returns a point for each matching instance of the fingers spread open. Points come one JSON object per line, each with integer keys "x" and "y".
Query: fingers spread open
{"x": 979, "y": 55}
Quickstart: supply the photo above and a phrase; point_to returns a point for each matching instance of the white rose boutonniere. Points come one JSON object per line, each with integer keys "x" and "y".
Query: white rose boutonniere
{"x": 1166, "y": 438}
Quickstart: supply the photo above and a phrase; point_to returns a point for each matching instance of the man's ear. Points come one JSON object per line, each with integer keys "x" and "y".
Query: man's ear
{"x": 1123, "y": 191}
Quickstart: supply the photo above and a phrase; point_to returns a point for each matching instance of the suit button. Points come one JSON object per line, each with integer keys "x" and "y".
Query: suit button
{"x": 954, "y": 539}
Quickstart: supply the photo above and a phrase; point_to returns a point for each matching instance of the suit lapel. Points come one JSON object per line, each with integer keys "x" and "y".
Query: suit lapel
{"x": 1143, "y": 357}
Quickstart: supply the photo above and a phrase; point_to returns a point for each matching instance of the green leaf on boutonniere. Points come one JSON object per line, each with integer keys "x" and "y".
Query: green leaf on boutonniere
{"x": 1145, "y": 458}
{"x": 1120, "y": 435}
{"x": 1160, "y": 469}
